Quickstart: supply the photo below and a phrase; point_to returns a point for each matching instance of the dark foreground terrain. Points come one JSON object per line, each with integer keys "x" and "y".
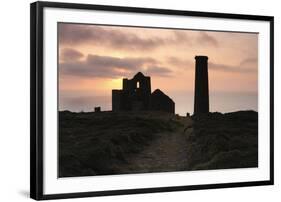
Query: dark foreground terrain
{"x": 117, "y": 143}
{"x": 224, "y": 141}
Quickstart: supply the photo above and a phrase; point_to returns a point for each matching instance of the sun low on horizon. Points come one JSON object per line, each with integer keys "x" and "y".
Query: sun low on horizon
{"x": 94, "y": 59}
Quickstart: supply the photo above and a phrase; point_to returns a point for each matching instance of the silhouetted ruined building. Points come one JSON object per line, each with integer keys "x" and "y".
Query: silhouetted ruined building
{"x": 201, "y": 97}
{"x": 97, "y": 109}
{"x": 161, "y": 102}
{"x": 136, "y": 95}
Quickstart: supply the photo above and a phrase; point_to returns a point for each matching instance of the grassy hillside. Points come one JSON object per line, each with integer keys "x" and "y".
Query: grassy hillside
{"x": 224, "y": 141}
{"x": 114, "y": 143}
{"x": 101, "y": 143}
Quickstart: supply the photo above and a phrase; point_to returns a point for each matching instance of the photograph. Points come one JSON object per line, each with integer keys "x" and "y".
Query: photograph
{"x": 135, "y": 99}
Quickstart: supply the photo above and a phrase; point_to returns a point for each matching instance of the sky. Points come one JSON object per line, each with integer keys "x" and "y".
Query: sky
{"x": 93, "y": 59}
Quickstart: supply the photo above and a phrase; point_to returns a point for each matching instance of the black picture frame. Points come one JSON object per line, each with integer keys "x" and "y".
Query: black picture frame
{"x": 36, "y": 98}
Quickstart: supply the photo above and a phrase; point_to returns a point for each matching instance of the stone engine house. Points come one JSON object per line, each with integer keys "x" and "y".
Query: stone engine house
{"x": 136, "y": 96}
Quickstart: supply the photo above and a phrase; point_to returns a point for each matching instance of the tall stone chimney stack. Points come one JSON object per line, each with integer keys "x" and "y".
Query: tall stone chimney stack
{"x": 201, "y": 97}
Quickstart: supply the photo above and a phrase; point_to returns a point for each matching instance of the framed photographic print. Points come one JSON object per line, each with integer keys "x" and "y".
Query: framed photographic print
{"x": 136, "y": 100}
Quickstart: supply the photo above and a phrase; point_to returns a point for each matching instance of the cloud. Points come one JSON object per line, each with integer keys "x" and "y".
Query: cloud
{"x": 182, "y": 37}
{"x": 80, "y": 34}
{"x": 249, "y": 61}
{"x": 180, "y": 63}
{"x": 127, "y": 63}
{"x": 76, "y": 34}
{"x": 206, "y": 39}
{"x": 241, "y": 68}
{"x": 158, "y": 71}
{"x": 70, "y": 54}
{"x": 110, "y": 67}
{"x": 245, "y": 66}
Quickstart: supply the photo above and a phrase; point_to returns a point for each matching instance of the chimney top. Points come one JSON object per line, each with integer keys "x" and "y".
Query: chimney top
{"x": 201, "y": 57}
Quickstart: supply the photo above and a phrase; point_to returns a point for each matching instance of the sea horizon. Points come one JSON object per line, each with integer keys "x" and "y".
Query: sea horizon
{"x": 223, "y": 102}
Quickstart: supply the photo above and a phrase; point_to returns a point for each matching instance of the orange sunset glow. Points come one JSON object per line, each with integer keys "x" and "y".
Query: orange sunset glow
{"x": 93, "y": 60}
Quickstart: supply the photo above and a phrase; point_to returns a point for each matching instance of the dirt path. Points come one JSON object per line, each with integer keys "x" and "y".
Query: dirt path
{"x": 169, "y": 153}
